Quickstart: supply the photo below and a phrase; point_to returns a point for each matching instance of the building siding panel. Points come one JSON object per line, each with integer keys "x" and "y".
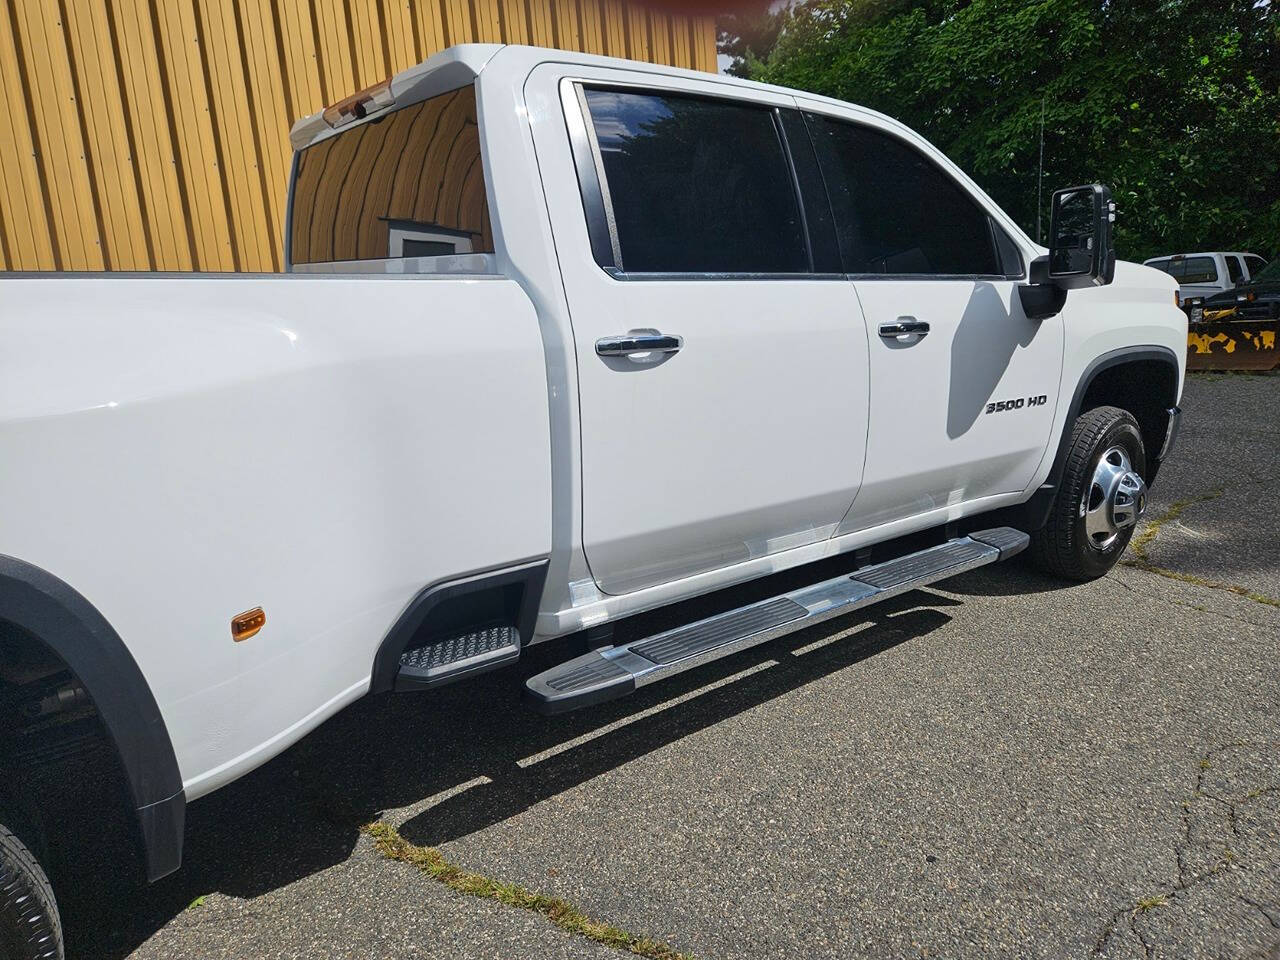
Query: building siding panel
{"x": 153, "y": 134}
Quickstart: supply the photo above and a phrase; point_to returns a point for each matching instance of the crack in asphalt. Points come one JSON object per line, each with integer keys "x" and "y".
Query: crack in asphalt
{"x": 1185, "y": 882}
{"x": 562, "y": 913}
{"x": 1216, "y": 614}
{"x": 1272, "y": 918}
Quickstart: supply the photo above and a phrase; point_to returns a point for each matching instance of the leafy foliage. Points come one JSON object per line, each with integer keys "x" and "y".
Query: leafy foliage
{"x": 1173, "y": 103}
{"x": 747, "y": 33}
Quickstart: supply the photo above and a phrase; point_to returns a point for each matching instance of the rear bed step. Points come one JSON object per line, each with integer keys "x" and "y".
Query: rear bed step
{"x": 454, "y": 657}
{"x": 612, "y": 672}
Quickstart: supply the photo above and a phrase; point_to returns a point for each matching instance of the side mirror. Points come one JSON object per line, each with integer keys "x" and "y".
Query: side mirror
{"x": 1081, "y": 253}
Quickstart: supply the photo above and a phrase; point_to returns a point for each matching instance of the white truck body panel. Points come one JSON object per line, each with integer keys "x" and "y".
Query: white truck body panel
{"x": 191, "y": 447}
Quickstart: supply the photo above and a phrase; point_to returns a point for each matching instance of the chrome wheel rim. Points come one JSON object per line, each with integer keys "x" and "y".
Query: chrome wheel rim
{"x": 1114, "y": 500}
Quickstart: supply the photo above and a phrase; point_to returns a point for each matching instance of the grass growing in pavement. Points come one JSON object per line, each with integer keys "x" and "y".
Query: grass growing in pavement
{"x": 1150, "y": 903}
{"x": 563, "y": 914}
{"x": 1143, "y": 540}
{"x": 1140, "y": 559}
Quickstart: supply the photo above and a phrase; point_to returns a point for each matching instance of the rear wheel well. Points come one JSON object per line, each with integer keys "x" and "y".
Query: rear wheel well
{"x": 62, "y": 775}
{"x": 1147, "y": 388}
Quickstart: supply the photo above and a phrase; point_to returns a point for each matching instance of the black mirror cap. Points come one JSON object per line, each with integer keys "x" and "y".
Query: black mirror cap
{"x": 1081, "y": 250}
{"x": 1040, "y": 298}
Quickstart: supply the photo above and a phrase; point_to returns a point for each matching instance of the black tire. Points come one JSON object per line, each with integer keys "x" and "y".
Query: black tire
{"x": 29, "y": 924}
{"x": 1062, "y": 548}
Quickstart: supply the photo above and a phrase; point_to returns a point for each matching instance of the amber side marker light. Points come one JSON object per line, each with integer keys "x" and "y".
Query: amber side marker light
{"x": 245, "y": 625}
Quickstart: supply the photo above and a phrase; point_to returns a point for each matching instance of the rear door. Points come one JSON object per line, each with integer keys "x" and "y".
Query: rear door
{"x": 722, "y": 358}
{"x": 963, "y": 384}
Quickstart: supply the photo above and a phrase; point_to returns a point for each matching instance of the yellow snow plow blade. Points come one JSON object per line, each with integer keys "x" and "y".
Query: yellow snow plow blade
{"x": 1214, "y": 316}
{"x": 1235, "y": 345}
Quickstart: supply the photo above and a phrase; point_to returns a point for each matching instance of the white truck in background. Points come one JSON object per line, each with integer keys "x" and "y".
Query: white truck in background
{"x": 1202, "y": 275}
{"x": 564, "y": 340}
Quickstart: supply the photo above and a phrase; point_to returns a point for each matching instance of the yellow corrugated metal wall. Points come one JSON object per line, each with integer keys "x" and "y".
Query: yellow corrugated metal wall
{"x": 153, "y": 134}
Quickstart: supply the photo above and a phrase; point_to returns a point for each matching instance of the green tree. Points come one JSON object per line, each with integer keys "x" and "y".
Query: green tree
{"x": 1173, "y": 103}
{"x": 748, "y": 34}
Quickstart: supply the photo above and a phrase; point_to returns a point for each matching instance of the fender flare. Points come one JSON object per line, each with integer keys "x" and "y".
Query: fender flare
{"x": 1037, "y": 508}
{"x": 51, "y": 610}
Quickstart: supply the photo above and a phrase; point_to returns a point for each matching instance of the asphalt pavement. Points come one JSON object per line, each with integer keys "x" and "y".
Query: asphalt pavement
{"x": 1000, "y": 766}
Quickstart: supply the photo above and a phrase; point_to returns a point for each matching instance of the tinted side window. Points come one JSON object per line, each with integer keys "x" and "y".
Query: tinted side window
{"x": 896, "y": 212}
{"x": 1198, "y": 270}
{"x": 409, "y": 184}
{"x": 1235, "y": 269}
{"x": 697, "y": 186}
{"x": 1254, "y": 264}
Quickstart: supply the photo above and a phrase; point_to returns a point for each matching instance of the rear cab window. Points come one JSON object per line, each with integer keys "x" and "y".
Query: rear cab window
{"x": 404, "y": 188}
{"x": 1196, "y": 270}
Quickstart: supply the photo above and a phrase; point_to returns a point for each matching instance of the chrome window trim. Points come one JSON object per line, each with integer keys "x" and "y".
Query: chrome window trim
{"x": 597, "y": 202}
{"x": 452, "y": 265}
{"x": 990, "y": 277}
{"x": 676, "y": 275}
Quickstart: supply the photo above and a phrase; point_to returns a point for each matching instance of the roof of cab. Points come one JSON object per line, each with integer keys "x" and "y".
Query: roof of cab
{"x": 439, "y": 73}
{"x": 1199, "y": 253}
{"x": 459, "y": 65}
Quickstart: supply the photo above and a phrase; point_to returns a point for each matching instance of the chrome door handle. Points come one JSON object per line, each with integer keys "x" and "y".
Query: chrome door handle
{"x": 634, "y": 343}
{"x": 904, "y": 328}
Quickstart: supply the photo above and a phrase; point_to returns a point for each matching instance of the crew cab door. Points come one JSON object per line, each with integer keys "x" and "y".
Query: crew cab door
{"x": 963, "y": 385}
{"x": 721, "y": 357}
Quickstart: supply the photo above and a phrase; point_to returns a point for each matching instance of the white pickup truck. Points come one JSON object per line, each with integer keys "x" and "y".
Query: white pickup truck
{"x": 563, "y": 340}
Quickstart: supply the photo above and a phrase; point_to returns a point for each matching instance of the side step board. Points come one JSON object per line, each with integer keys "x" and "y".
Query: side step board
{"x": 612, "y": 672}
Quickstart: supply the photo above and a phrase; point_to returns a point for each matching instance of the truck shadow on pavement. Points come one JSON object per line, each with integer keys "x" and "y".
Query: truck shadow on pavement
{"x": 302, "y": 812}
{"x": 1013, "y": 578}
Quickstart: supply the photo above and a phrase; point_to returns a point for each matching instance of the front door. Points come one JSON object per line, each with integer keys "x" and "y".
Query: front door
{"x": 722, "y": 379}
{"x": 963, "y": 385}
